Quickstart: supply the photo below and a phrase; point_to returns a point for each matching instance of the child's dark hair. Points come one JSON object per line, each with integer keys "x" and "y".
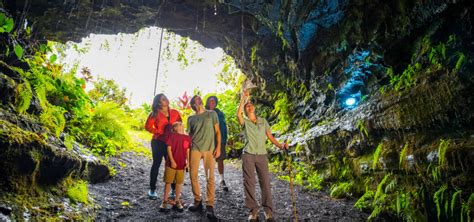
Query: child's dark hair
{"x": 175, "y": 126}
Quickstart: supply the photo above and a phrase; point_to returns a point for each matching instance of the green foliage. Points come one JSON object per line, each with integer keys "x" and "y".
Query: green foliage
{"x": 438, "y": 199}
{"x": 106, "y": 90}
{"x": 280, "y": 35}
{"x": 341, "y": 190}
{"x": 454, "y": 200}
{"x": 78, "y": 192}
{"x": 23, "y": 97}
{"x": 403, "y": 155}
{"x": 304, "y": 124}
{"x": 282, "y": 108}
{"x": 377, "y": 153}
{"x": 406, "y": 79}
{"x": 253, "y": 55}
{"x": 6, "y": 23}
{"x": 467, "y": 208}
{"x": 315, "y": 180}
{"x": 365, "y": 201}
{"x": 53, "y": 119}
{"x": 460, "y": 61}
{"x": 362, "y": 129}
{"x": 442, "y": 148}
{"x": 106, "y": 131}
{"x": 18, "y": 51}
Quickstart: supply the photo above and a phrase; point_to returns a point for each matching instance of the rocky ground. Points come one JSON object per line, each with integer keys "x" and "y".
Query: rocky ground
{"x": 130, "y": 186}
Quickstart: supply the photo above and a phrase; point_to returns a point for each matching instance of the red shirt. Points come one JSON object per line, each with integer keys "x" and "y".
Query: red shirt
{"x": 179, "y": 143}
{"x": 157, "y": 124}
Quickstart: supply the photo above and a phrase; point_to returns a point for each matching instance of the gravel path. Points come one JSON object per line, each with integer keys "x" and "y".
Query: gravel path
{"x": 131, "y": 185}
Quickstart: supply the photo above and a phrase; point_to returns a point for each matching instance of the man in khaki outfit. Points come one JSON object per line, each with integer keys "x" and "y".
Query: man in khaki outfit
{"x": 203, "y": 127}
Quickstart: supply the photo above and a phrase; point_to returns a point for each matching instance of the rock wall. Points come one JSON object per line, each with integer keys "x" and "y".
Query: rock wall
{"x": 406, "y": 66}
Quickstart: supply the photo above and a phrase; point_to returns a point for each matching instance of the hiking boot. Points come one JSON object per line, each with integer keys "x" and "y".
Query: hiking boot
{"x": 210, "y": 213}
{"x": 224, "y": 186}
{"x": 152, "y": 195}
{"x": 165, "y": 206}
{"x": 253, "y": 216}
{"x": 269, "y": 217}
{"x": 178, "y": 206}
{"x": 196, "y": 206}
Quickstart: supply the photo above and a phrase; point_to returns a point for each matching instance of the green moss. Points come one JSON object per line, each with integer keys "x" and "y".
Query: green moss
{"x": 78, "y": 192}
{"x": 15, "y": 135}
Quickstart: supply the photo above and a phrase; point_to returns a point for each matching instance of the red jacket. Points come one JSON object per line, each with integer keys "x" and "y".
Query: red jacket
{"x": 157, "y": 124}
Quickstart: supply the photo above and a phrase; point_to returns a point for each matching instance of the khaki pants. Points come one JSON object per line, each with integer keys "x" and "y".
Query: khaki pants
{"x": 257, "y": 163}
{"x": 209, "y": 163}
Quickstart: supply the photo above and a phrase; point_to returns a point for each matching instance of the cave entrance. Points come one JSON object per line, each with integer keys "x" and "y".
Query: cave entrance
{"x": 130, "y": 60}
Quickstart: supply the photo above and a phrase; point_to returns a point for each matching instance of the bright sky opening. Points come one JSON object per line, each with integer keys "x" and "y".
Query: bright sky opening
{"x": 131, "y": 60}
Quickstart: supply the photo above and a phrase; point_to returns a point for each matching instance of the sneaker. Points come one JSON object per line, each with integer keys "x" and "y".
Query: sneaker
{"x": 210, "y": 213}
{"x": 253, "y": 216}
{"x": 269, "y": 217}
{"x": 152, "y": 195}
{"x": 165, "y": 206}
{"x": 197, "y": 205}
{"x": 178, "y": 206}
{"x": 224, "y": 186}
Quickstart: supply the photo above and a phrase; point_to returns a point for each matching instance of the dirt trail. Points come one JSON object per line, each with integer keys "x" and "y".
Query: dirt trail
{"x": 131, "y": 185}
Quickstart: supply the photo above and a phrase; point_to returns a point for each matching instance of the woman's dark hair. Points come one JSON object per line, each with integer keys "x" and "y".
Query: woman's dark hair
{"x": 211, "y": 97}
{"x": 156, "y": 104}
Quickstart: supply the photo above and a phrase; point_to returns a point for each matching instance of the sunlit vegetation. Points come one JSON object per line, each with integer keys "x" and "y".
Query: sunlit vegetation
{"x": 78, "y": 192}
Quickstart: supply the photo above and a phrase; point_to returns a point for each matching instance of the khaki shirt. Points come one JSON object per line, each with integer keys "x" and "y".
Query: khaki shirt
{"x": 255, "y": 136}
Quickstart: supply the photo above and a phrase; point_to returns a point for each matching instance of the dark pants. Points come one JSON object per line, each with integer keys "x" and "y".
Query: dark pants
{"x": 158, "y": 150}
{"x": 251, "y": 165}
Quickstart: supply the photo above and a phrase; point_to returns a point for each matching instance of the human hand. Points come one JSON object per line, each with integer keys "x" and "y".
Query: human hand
{"x": 217, "y": 152}
{"x": 173, "y": 165}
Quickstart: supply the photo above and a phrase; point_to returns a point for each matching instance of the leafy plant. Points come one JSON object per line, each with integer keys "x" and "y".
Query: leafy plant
{"x": 18, "y": 51}
{"x": 23, "y": 97}
{"x": 78, "y": 192}
{"x": 377, "y": 153}
{"x": 362, "y": 129}
{"x": 282, "y": 107}
{"x": 403, "y": 155}
{"x": 442, "y": 148}
{"x": 6, "y": 23}
{"x": 438, "y": 199}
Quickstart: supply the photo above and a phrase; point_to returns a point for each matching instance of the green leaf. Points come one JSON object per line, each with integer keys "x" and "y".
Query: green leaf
{"x": 53, "y": 58}
{"x": 43, "y": 48}
{"x": 6, "y": 24}
{"x": 18, "y": 51}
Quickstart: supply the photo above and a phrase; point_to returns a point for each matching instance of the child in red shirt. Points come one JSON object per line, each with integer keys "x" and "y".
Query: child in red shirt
{"x": 178, "y": 153}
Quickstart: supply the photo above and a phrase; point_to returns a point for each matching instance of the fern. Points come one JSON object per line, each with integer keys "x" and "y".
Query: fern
{"x": 377, "y": 153}
{"x": 53, "y": 119}
{"x": 454, "y": 199}
{"x": 467, "y": 207}
{"x": 23, "y": 97}
{"x": 362, "y": 129}
{"x": 442, "y": 148}
{"x": 438, "y": 199}
{"x": 391, "y": 186}
{"x": 380, "y": 191}
{"x": 403, "y": 155}
{"x": 460, "y": 61}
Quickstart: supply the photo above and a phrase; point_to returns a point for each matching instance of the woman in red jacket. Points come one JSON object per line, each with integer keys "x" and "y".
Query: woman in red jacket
{"x": 159, "y": 123}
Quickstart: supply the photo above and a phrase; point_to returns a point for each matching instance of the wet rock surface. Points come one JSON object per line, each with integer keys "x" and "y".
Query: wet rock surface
{"x": 131, "y": 185}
